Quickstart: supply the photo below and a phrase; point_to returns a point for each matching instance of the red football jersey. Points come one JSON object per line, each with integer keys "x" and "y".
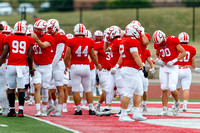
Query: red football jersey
{"x": 59, "y": 38}
{"x": 190, "y": 51}
{"x": 2, "y": 38}
{"x": 43, "y": 56}
{"x": 114, "y": 46}
{"x": 19, "y": 45}
{"x": 168, "y": 51}
{"x": 145, "y": 54}
{"x": 127, "y": 58}
{"x": 80, "y": 49}
{"x": 103, "y": 57}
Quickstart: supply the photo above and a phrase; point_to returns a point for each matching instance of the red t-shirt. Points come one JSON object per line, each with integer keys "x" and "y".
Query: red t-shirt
{"x": 127, "y": 58}
{"x": 114, "y": 46}
{"x": 19, "y": 45}
{"x": 168, "y": 51}
{"x": 103, "y": 57}
{"x": 80, "y": 49}
{"x": 60, "y": 38}
{"x": 145, "y": 54}
{"x": 190, "y": 51}
{"x": 43, "y": 56}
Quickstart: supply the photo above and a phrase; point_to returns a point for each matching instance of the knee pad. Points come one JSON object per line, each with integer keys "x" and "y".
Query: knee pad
{"x": 45, "y": 95}
{"x": 109, "y": 97}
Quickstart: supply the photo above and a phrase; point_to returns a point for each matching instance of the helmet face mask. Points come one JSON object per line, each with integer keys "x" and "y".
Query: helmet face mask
{"x": 52, "y": 26}
{"x": 98, "y": 35}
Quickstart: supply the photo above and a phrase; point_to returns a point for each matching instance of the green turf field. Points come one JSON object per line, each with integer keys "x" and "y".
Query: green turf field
{"x": 27, "y": 125}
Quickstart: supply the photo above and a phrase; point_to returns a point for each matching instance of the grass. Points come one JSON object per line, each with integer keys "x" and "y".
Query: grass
{"x": 26, "y": 124}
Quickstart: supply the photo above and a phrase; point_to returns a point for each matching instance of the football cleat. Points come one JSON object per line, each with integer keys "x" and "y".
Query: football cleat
{"x": 56, "y": 114}
{"x": 30, "y": 103}
{"x": 64, "y": 110}
{"x": 97, "y": 108}
{"x": 44, "y": 114}
{"x": 176, "y": 109}
{"x": 38, "y": 113}
{"x": 20, "y": 113}
{"x": 50, "y": 109}
{"x": 5, "y": 111}
{"x": 139, "y": 117}
{"x": 78, "y": 112}
{"x": 91, "y": 112}
{"x": 105, "y": 112}
{"x": 12, "y": 113}
{"x": 125, "y": 118}
{"x": 118, "y": 114}
{"x": 163, "y": 113}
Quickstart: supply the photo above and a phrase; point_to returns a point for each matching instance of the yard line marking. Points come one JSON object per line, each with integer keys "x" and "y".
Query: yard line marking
{"x": 3, "y": 125}
{"x": 48, "y": 122}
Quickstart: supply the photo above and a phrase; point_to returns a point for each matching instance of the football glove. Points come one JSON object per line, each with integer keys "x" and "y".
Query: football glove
{"x": 171, "y": 63}
{"x": 160, "y": 62}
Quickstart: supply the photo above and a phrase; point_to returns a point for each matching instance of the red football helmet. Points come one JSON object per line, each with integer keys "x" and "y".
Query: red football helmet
{"x": 40, "y": 27}
{"x": 159, "y": 37}
{"x": 133, "y": 30}
{"x": 114, "y": 31}
{"x": 136, "y": 22}
{"x": 29, "y": 31}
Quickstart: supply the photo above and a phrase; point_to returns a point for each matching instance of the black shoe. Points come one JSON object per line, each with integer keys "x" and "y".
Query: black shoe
{"x": 20, "y": 113}
{"x": 91, "y": 112}
{"x": 12, "y": 113}
{"x": 117, "y": 115}
{"x": 105, "y": 112}
{"x": 78, "y": 113}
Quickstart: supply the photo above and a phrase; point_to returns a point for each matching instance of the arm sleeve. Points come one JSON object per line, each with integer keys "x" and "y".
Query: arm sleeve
{"x": 59, "y": 50}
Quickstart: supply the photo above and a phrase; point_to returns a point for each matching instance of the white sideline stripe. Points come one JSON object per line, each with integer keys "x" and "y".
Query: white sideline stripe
{"x": 3, "y": 125}
{"x": 48, "y": 122}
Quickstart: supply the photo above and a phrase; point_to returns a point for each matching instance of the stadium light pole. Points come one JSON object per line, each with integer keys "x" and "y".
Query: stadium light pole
{"x": 81, "y": 14}
{"x": 137, "y": 13}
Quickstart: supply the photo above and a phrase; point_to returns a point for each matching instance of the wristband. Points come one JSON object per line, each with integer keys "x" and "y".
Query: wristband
{"x": 117, "y": 65}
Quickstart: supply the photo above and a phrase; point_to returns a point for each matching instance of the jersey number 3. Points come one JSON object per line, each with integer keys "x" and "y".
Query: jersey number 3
{"x": 19, "y": 47}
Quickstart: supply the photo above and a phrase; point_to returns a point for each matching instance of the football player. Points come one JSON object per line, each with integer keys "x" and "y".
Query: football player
{"x": 58, "y": 64}
{"x": 131, "y": 62}
{"x": 184, "y": 72}
{"x": 3, "y": 88}
{"x": 167, "y": 53}
{"x": 43, "y": 63}
{"x": 18, "y": 46}
{"x": 78, "y": 50}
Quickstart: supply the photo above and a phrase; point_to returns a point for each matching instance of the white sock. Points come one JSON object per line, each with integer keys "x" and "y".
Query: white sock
{"x": 177, "y": 102}
{"x": 64, "y": 105}
{"x": 91, "y": 106}
{"x": 78, "y": 108}
{"x": 185, "y": 102}
{"x": 136, "y": 110}
{"x": 99, "y": 104}
{"x": 44, "y": 107}
{"x": 37, "y": 105}
{"x": 21, "y": 107}
{"x": 165, "y": 108}
{"x": 124, "y": 112}
{"x": 83, "y": 102}
{"x": 144, "y": 103}
{"x": 55, "y": 103}
{"x": 60, "y": 107}
{"x": 50, "y": 103}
